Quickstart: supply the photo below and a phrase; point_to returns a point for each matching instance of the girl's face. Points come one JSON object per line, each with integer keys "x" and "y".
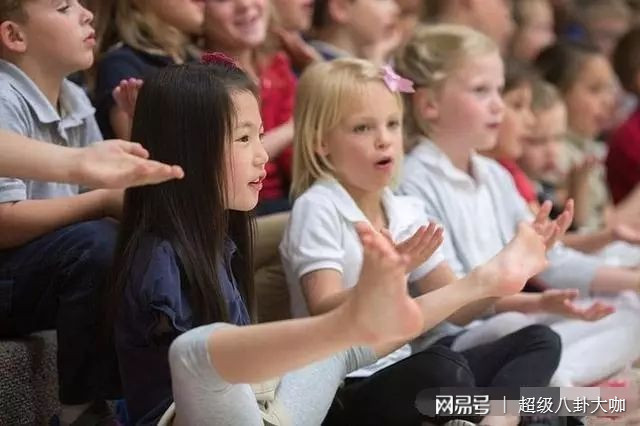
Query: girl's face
{"x": 590, "y": 99}
{"x": 468, "y": 108}
{"x": 493, "y": 17}
{"x": 235, "y": 24}
{"x": 372, "y": 21}
{"x": 541, "y": 147}
{"x": 536, "y": 32}
{"x": 366, "y": 145}
{"x": 245, "y": 157}
{"x": 517, "y": 122}
{"x": 295, "y": 15}
{"x": 185, "y": 15}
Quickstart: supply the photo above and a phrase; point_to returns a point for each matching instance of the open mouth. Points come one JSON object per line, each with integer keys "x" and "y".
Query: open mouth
{"x": 384, "y": 163}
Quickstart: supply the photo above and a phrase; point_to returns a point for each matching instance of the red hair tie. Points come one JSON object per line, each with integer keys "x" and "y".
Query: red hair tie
{"x": 218, "y": 58}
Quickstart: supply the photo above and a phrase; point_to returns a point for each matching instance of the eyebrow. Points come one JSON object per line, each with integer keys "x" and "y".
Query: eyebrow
{"x": 248, "y": 124}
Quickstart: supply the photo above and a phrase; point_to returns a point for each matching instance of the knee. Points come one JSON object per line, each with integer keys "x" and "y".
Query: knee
{"x": 542, "y": 337}
{"x": 440, "y": 366}
{"x": 96, "y": 243}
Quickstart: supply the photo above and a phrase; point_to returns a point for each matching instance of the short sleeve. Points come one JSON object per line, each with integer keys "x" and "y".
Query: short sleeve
{"x": 13, "y": 117}
{"x": 312, "y": 240}
{"x": 161, "y": 291}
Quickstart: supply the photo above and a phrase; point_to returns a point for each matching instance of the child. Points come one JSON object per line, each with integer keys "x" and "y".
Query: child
{"x": 348, "y": 144}
{"x": 478, "y": 205}
{"x": 183, "y": 264}
{"x": 239, "y": 29}
{"x": 153, "y": 34}
{"x": 623, "y": 159}
{"x": 365, "y": 29}
{"x": 110, "y": 164}
{"x": 492, "y": 17}
{"x": 54, "y": 249}
{"x": 540, "y": 145}
{"x": 585, "y": 78}
{"x": 289, "y": 22}
{"x": 534, "y": 28}
{"x": 604, "y": 22}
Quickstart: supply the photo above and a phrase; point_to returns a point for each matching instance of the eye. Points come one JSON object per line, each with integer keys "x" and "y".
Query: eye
{"x": 393, "y": 124}
{"x": 481, "y": 90}
{"x": 64, "y": 7}
{"x": 243, "y": 139}
{"x": 360, "y": 128}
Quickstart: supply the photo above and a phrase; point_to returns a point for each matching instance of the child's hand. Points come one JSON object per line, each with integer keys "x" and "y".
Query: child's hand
{"x": 126, "y": 94}
{"x": 552, "y": 230}
{"x": 300, "y": 53}
{"x": 420, "y": 246}
{"x": 119, "y": 164}
{"x": 560, "y": 302}
{"x": 580, "y": 171}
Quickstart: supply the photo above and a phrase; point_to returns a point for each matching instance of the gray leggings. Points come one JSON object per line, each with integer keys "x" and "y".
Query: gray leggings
{"x": 202, "y": 397}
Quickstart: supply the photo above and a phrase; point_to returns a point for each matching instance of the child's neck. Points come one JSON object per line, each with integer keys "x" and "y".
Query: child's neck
{"x": 46, "y": 79}
{"x": 371, "y": 205}
{"x": 457, "y": 152}
{"x": 342, "y": 40}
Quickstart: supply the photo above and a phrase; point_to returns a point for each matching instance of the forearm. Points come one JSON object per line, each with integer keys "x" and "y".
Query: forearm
{"x": 523, "y": 302}
{"x": 611, "y": 279}
{"x": 589, "y": 243}
{"x": 330, "y": 302}
{"x": 256, "y": 353}
{"x": 27, "y": 158}
{"x": 276, "y": 140}
{"x": 26, "y": 220}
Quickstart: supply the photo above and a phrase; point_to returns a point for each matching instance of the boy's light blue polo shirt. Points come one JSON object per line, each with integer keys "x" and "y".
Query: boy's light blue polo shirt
{"x": 24, "y": 109}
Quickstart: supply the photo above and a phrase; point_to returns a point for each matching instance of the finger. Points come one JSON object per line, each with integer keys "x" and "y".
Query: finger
{"x": 385, "y": 232}
{"x": 543, "y": 213}
{"x": 133, "y": 148}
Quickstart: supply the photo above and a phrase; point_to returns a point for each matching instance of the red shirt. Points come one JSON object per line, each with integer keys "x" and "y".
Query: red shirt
{"x": 522, "y": 181}
{"x": 623, "y": 160}
{"x": 277, "y": 94}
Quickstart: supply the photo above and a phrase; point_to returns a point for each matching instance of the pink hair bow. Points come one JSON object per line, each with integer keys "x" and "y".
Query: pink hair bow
{"x": 395, "y": 82}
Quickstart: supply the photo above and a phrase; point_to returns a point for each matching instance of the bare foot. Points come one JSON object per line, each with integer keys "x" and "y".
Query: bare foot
{"x": 507, "y": 272}
{"x": 380, "y": 304}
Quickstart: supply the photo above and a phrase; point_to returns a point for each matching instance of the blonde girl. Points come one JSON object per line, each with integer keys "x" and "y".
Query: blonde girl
{"x": 348, "y": 147}
{"x": 457, "y": 109}
{"x": 136, "y": 38}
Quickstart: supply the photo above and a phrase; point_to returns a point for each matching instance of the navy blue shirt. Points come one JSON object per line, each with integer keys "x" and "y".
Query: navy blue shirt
{"x": 118, "y": 64}
{"x": 154, "y": 311}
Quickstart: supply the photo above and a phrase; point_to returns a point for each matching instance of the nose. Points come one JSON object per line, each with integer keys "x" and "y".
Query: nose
{"x": 86, "y": 15}
{"x": 261, "y": 157}
{"x": 497, "y": 104}
{"x": 383, "y": 140}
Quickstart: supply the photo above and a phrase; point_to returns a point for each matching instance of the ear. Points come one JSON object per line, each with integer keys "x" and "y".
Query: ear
{"x": 13, "y": 37}
{"x": 339, "y": 10}
{"x": 322, "y": 148}
{"x": 425, "y": 104}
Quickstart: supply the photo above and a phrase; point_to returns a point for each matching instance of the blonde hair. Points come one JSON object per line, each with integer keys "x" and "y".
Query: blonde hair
{"x": 137, "y": 27}
{"x": 544, "y": 96}
{"x": 326, "y": 92}
{"x": 432, "y": 53}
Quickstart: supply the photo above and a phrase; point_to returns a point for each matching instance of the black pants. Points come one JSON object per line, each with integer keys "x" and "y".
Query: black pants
{"x": 55, "y": 282}
{"x": 525, "y": 358}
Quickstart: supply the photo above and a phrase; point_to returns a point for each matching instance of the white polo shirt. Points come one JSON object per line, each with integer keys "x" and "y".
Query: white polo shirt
{"x": 321, "y": 235}
{"x": 480, "y": 214}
